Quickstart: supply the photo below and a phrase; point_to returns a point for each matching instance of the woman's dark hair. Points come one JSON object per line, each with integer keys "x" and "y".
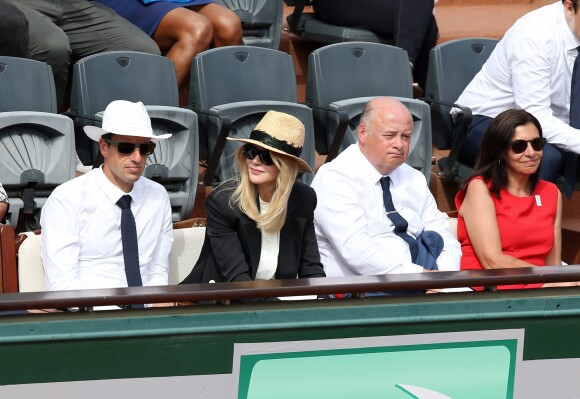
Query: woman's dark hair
{"x": 496, "y": 143}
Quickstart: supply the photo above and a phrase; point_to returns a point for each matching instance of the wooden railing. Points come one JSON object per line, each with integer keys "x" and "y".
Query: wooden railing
{"x": 226, "y": 292}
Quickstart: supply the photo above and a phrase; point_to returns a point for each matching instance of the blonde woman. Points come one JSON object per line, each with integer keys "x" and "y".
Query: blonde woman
{"x": 260, "y": 224}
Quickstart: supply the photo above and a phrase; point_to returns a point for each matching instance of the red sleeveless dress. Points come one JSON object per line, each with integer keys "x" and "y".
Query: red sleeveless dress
{"x": 526, "y": 227}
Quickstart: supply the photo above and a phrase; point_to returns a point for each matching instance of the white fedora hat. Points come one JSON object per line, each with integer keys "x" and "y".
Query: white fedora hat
{"x": 126, "y": 119}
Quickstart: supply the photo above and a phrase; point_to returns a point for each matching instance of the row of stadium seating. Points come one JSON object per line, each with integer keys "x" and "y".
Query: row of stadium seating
{"x": 231, "y": 88}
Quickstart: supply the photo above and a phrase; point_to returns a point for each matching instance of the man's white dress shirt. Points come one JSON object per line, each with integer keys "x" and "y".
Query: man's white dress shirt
{"x": 354, "y": 234}
{"x": 531, "y": 69}
{"x": 81, "y": 233}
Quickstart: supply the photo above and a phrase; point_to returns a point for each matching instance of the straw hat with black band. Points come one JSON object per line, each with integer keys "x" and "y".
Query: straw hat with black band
{"x": 280, "y": 133}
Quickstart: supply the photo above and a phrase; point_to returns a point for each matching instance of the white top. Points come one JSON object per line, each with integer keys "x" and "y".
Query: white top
{"x": 354, "y": 234}
{"x": 81, "y": 233}
{"x": 531, "y": 69}
{"x": 269, "y": 252}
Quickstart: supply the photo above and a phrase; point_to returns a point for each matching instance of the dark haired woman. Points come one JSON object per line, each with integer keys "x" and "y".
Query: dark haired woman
{"x": 260, "y": 224}
{"x": 508, "y": 217}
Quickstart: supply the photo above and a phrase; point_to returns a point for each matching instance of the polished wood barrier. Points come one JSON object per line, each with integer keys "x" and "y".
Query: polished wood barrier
{"x": 358, "y": 285}
{"x": 8, "y": 269}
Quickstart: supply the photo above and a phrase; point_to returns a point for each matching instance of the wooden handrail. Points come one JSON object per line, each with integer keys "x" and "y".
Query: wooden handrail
{"x": 279, "y": 288}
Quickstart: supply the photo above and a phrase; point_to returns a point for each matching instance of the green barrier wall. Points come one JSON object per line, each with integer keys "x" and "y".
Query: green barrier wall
{"x": 476, "y": 345}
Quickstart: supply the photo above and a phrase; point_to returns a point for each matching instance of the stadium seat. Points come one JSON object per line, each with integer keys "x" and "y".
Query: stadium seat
{"x": 30, "y": 268}
{"x": 261, "y": 21}
{"x": 118, "y": 75}
{"x": 231, "y": 88}
{"x": 340, "y": 73}
{"x": 26, "y": 85}
{"x": 341, "y": 79}
{"x": 21, "y": 267}
{"x": 308, "y": 26}
{"x": 187, "y": 244}
{"x": 36, "y": 155}
{"x": 22, "y": 270}
{"x": 452, "y": 65}
{"x": 133, "y": 76}
{"x": 36, "y": 144}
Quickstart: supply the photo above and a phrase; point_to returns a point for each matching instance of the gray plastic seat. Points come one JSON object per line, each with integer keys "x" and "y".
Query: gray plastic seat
{"x": 118, "y": 75}
{"x": 308, "y": 26}
{"x": 122, "y": 75}
{"x": 452, "y": 65}
{"x": 420, "y": 151}
{"x": 261, "y": 21}
{"x": 231, "y": 88}
{"x": 133, "y": 76}
{"x": 26, "y": 85}
{"x": 36, "y": 144}
{"x": 36, "y": 155}
{"x": 342, "y": 78}
{"x": 420, "y": 148}
{"x": 175, "y": 161}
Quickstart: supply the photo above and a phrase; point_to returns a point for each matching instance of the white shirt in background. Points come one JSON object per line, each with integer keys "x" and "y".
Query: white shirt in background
{"x": 531, "y": 69}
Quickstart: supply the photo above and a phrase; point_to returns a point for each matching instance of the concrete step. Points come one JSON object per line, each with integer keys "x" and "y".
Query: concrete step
{"x": 492, "y": 18}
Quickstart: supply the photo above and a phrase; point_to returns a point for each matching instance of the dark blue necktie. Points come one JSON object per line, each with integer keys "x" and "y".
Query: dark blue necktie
{"x": 571, "y": 158}
{"x": 129, "y": 240}
{"x": 399, "y": 221}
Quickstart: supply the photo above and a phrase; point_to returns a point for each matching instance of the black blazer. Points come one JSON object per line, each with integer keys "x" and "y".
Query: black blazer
{"x": 232, "y": 245}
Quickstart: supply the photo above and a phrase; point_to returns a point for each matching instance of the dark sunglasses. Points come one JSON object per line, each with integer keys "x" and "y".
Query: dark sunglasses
{"x": 519, "y": 146}
{"x": 128, "y": 148}
{"x": 251, "y": 152}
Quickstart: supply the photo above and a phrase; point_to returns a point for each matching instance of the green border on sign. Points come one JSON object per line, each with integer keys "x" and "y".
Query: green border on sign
{"x": 477, "y": 369}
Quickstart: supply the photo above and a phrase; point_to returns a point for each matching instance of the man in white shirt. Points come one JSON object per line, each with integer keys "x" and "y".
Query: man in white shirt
{"x": 81, "y": 221}
{"x": 531, "y": 69}
{"x": 354, "y": 232}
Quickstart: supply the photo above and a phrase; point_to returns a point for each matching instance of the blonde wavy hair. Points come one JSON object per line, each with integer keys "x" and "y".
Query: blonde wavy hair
{"x": 246, "y": 193}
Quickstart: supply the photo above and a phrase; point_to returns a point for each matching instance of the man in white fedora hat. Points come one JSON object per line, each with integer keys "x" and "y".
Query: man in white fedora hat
{"x": 110, "y": 227}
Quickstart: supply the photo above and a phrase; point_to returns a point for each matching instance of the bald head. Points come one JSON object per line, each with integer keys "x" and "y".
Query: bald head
{"x": 384, "y": 133}
{"x": 382, "y": 105}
